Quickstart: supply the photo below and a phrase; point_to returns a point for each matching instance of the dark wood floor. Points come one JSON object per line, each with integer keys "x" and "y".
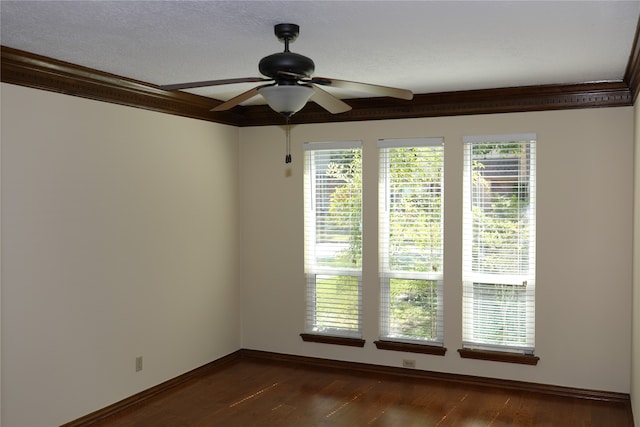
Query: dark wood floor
{"x": 256, "y": 392}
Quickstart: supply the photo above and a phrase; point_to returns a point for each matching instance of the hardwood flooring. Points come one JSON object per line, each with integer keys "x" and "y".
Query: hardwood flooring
{"x": 254, "y": 392}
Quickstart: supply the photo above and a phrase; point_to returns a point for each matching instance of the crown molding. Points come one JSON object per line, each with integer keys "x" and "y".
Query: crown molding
{"x": 484, "y": 101}
{"x": 35, "y": 71}
{"x": 632, "y": 73}
{"x": 40, "y": 72}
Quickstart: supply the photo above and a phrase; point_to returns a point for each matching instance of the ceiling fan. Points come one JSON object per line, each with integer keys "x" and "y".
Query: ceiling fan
{"x": 290, "y": 82}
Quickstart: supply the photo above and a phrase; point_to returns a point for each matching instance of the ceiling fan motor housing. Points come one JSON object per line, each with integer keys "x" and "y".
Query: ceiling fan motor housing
{"x": 290, "y": 62}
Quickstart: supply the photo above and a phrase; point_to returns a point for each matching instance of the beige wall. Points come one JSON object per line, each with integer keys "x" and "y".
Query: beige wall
{"x": 635, "y": 355}
{"x": 119, "y": 239}
{"x": 584, "y": 280}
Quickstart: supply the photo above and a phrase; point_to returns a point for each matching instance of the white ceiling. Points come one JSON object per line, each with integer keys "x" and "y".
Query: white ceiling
{"x": 425, "y": 46}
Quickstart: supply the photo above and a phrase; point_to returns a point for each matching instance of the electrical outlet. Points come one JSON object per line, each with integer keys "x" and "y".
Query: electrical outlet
{"x": 138, "y": 363}
{"x": 408, "y": 363}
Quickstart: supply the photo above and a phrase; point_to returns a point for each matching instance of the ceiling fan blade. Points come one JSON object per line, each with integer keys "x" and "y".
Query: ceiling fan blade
{"x": 328, "y": 101}
{"x": 364, "y": 87}
{"x": 238, "y": 99}
{"x": 192, "y": 85}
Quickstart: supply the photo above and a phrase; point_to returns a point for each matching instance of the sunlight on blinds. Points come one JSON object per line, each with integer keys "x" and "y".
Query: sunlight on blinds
{"x": 333, "y": 238}
{"x": 499, "y": 242}
{"x": 411, "y": 239}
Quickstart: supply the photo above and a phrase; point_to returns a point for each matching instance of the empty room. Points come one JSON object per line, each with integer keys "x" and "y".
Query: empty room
{"x": 314, "y": 213}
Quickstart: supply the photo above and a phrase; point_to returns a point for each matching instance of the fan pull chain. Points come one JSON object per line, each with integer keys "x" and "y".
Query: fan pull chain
{"x": 287, "y": 156}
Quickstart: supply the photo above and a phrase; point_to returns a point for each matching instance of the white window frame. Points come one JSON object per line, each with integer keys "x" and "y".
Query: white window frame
{"x": 386, "y": 272}
{"x": 312, "y": 269}
{"x": 474, "y": 281}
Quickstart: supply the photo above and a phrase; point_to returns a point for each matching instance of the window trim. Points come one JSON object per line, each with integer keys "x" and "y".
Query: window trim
{"x": 410, "y": 347}
{"x": 333, "y": 335}
{"x": 330, "y": 339}
{"x": 488, "y": 351}
{"x": 498, "y": 356}
{"x": 408, "y": 344}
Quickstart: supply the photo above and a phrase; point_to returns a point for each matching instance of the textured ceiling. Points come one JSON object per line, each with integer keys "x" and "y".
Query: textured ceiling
{"x": 425, "y": 46}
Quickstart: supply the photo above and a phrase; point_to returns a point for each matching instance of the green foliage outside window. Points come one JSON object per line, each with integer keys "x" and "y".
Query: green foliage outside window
{"x": 501, "y": 227}
{"x": 345, "y": 208}
{"x": 500, "y": 213}
{"x": 415, "y": 234}
{"x": 413, "y": 306}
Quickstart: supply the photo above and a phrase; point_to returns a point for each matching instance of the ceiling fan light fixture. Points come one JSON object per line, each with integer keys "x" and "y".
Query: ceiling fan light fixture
{"x": 286, "y": 99}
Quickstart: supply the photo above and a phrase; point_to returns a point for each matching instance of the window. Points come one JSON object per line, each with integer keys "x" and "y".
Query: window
{"x": 499, "y": 243}
{"x": 333, "y": 238}
{"x": 411, "y": 240}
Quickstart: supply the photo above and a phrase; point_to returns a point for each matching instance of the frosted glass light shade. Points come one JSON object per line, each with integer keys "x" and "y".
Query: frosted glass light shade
{"x": 286, "y": 99}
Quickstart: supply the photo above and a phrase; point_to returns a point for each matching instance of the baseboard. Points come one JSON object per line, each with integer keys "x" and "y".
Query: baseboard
{"x": 138, "y": 398}
{"x": 247, "y": 354}
{"x": 605, "y": 396}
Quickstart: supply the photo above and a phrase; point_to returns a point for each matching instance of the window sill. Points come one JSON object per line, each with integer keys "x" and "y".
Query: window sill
{"x": 498, "y": 356}
{"x": 410, "y": 347}
{"x": 327, "y": 339}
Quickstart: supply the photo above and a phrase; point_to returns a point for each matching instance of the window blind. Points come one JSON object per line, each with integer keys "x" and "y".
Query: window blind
{"x": 333, "y": 238}
{"x": 410, "y": 240}
{"x": 499, "y": 239}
